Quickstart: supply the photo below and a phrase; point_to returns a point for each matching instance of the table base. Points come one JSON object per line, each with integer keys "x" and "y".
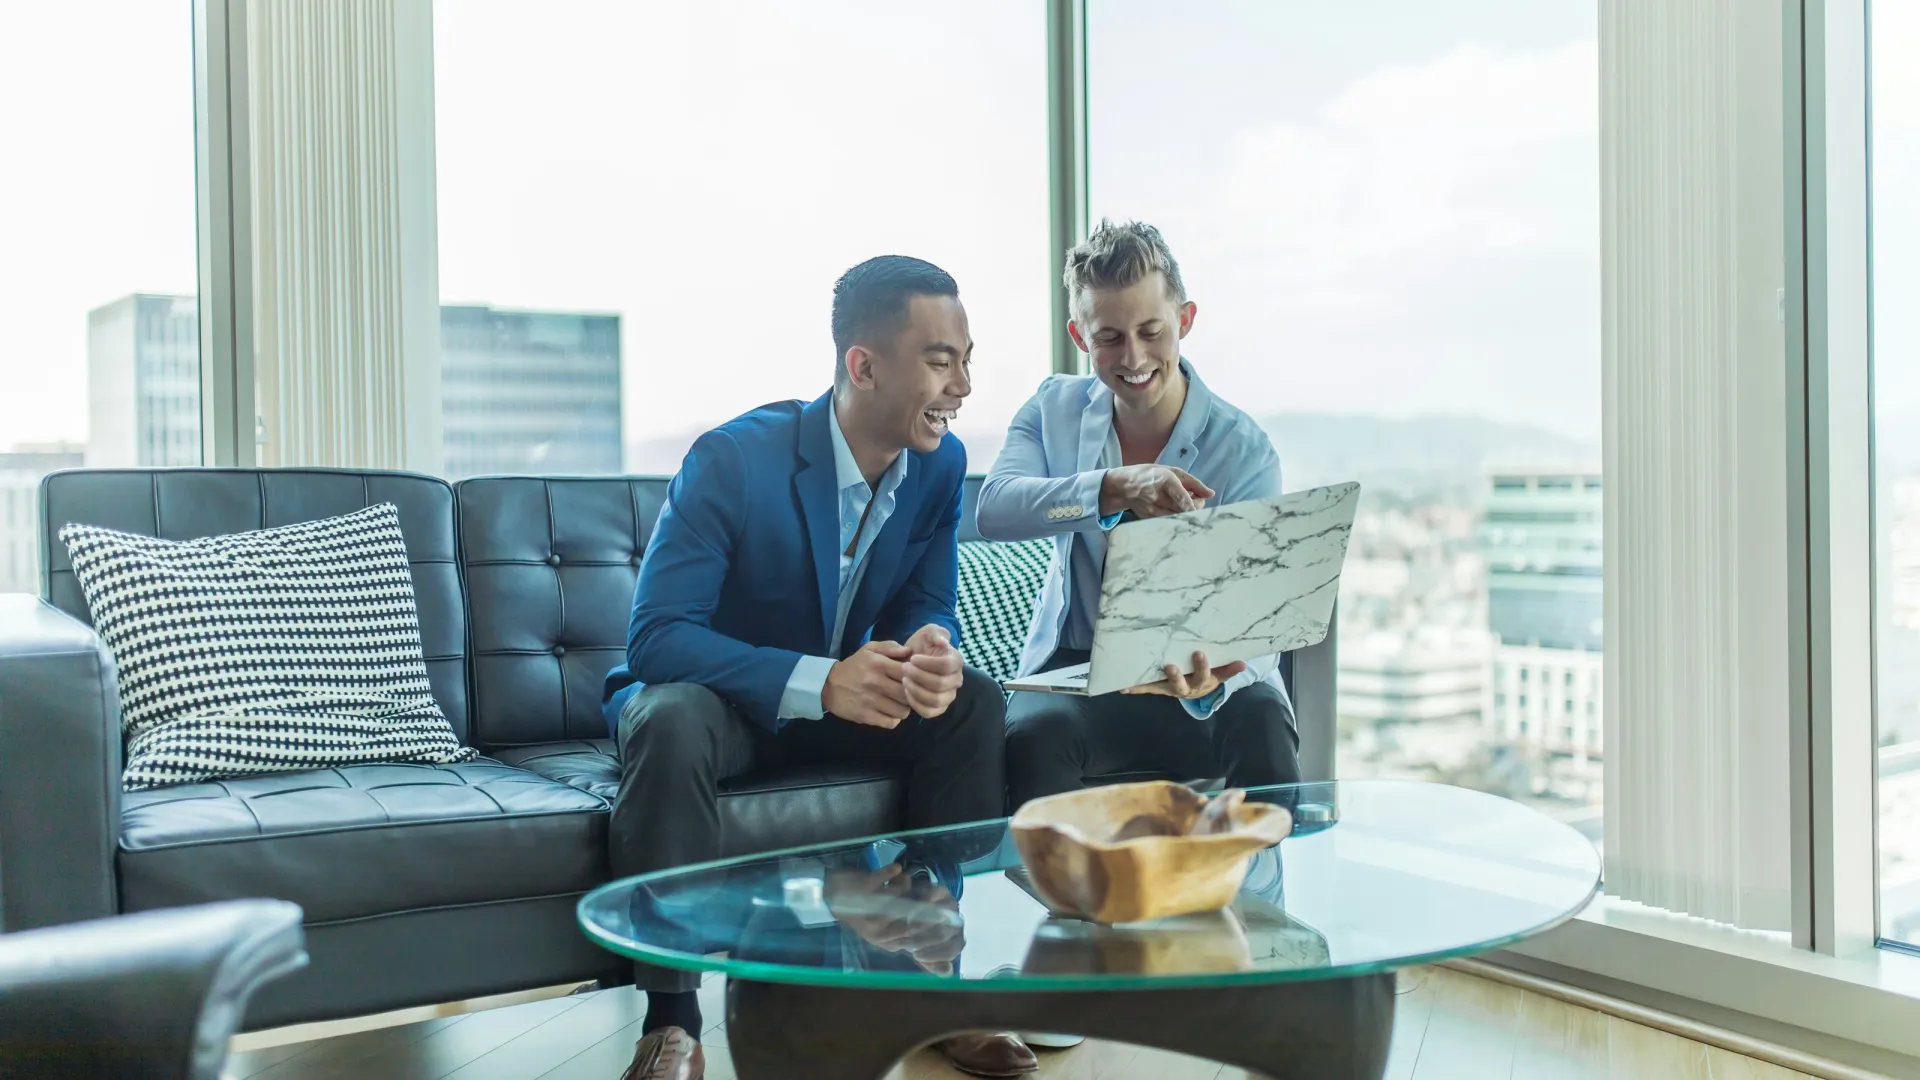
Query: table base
{"x": 1320, "y": 1029}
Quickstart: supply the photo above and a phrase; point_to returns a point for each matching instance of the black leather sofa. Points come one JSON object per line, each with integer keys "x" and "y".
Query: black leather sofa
{"x": 420, "y": 884}
{"x": 153, "y": 996}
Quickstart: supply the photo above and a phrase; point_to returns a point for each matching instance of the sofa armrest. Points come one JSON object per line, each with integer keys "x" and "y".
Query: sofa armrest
{"x": 59, "y": 767}
{"x": 158, "y": 994}
{"x": 1316, "y": 702}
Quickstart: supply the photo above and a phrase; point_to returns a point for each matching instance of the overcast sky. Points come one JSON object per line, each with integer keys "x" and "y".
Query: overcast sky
{"x": 1381, "y": 207}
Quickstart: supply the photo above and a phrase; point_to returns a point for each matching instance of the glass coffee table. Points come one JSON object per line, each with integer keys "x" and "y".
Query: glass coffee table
{"x": 843, "y": 958}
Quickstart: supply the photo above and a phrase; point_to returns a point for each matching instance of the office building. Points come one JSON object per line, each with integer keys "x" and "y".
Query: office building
{"x": 529, "y": 391}
{"x": 521, "y": 391}
{"x": 1541, "y": 536}
{"x": 20, "y": 473}
{"x": 1394, "y": 677}
{"x": 143, "y": 382}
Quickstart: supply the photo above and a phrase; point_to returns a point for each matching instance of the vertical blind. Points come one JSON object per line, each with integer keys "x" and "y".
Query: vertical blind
{"x": 1694, "y": 403}
{"x": 346, "y": 284}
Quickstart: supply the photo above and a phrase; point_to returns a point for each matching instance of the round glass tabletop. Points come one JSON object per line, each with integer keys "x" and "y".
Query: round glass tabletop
{"x": 1378, "y": 874}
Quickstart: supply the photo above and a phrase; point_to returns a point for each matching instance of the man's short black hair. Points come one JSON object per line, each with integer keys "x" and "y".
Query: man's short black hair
{"x": 870, "y": 301}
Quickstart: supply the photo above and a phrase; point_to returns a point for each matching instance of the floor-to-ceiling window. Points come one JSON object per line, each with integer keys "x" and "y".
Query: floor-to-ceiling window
{"x": 101, "y": 361}
{"x": 1895, "y": 87}
{"x": 1388, "y": 215}
{"x": 643, "y": 209}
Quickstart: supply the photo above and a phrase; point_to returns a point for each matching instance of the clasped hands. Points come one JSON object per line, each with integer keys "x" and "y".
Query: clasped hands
{"x": 884, "y": 682}
{"x": 896, "y": 912}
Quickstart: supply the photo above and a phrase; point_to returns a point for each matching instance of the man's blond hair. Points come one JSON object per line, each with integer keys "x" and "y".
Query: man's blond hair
{"x": 1119, "y": 256}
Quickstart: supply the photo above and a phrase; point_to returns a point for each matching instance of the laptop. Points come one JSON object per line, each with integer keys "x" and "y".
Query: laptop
{"x": 1236, "y": 582}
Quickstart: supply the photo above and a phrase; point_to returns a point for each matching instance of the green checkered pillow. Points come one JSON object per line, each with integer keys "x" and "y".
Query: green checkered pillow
{"x": 999, "y": 585}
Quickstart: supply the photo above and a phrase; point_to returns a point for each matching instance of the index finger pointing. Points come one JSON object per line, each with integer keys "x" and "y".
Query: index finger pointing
{"x": 1192, "y": 483}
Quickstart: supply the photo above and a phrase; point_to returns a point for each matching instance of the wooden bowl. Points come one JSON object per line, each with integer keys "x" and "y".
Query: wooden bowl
{"x": 1078, "y": 862}
{"x": 1197, "y": 944}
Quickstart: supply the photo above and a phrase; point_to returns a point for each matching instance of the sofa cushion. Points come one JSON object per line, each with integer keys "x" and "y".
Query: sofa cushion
{"x": 182, "y": 504}
{"x": 269, "y": 650}
{"x": 362, "y": 840}
{"x": 761, "y": 811}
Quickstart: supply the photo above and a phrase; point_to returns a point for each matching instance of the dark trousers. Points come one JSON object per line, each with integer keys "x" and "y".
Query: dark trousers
{"x": 1057, "y": 742}
{"x": 679, "y": 742}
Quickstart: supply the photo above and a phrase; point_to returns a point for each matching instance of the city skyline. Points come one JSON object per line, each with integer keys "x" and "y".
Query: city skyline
{"x": 521, "y": 390}
{"x": 571, "y": 214}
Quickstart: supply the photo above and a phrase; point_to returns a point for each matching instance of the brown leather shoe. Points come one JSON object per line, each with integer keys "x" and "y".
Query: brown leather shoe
{"x": 1001, "y": 1054}
{"x": 667, "y": 1054}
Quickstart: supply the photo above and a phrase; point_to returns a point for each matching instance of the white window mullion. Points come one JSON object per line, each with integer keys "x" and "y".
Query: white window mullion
{"x": 1835, "y": 782}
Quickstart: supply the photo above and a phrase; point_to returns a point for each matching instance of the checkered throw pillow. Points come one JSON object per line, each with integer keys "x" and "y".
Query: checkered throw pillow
{"x": 999, "y": 585}
{"x": 289, "y": 648}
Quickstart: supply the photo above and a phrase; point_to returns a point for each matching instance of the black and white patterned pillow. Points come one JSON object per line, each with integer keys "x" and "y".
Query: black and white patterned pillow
{"x": 295, "y": 647}
{"x": 999, "y": 585}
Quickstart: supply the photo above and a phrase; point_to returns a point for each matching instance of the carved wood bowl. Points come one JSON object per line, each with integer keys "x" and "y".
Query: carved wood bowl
{"x": 1133, "y": 852}
{"x": 1200, "y": 943}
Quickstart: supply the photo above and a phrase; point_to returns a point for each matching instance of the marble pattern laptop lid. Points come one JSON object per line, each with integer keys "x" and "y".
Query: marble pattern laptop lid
{"x": 1237, "y": 582}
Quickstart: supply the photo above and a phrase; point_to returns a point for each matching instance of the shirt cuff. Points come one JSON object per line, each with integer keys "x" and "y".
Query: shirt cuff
{"x": 801, "y": 699}
{"x": 1089, "y": 494}
{"x": 1111, "y": 520}
{"x": 1201, "y": 708}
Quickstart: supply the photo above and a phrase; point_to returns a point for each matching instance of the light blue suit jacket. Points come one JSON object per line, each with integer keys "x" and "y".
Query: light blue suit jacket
{"x": 1046, "y": 482}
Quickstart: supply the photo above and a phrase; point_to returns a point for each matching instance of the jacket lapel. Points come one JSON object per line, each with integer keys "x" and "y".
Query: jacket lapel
{"x": 818, "y": 487}
{"x": 1182, "y": 449}
{"x": 1096, "y": 427}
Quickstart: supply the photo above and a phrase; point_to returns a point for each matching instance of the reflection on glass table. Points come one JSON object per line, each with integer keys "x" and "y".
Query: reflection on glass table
{"x": 1295, "y": 974}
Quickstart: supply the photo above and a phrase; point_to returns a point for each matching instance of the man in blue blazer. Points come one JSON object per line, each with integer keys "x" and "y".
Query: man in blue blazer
{"x": 1141, "y": 436}
{"x": 796, "y": 603}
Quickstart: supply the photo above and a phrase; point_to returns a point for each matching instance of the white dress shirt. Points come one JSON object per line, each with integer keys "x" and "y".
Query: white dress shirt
{"x": 801, "y": 698}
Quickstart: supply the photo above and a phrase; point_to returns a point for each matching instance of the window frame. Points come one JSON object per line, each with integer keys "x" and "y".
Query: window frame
{"x": 223, "y": 186}
{"x": 1831, "y": 977}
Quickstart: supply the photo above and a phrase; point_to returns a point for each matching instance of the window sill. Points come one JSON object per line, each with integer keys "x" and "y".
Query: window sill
{"x": 1871, "y": 998}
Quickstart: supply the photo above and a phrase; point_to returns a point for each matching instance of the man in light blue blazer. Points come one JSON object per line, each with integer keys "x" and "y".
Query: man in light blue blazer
{"x": 1142, "y": 437}
{"x": 796, "y": 604}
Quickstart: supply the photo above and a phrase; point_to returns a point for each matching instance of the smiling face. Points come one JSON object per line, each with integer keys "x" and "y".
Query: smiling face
{"x": 906, "y": 391}
{"x": 1132, "y": 335}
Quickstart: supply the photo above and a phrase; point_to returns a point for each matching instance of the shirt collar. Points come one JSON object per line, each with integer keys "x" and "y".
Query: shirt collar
{"x": 846, "y": 471}
{"x": 1194, "y": 411}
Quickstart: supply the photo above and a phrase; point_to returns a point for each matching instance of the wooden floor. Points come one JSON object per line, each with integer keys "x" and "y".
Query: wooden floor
{"x": 1447, "y": 1025}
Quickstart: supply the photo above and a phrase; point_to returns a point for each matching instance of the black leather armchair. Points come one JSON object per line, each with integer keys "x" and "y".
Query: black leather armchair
{"x": 420, "y": 884}
{"x": 155, "y": 996}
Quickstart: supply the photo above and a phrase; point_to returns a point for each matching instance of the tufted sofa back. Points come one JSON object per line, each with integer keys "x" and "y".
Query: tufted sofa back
{"x": 186, "y": 504}
{"x": 550, "y": 565}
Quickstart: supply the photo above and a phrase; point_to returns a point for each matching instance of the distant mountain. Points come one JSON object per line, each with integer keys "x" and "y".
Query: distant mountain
{"x": 1417, "y": 458}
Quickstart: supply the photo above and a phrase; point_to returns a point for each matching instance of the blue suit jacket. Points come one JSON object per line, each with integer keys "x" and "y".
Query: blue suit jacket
{"x": 742, "y": 574}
